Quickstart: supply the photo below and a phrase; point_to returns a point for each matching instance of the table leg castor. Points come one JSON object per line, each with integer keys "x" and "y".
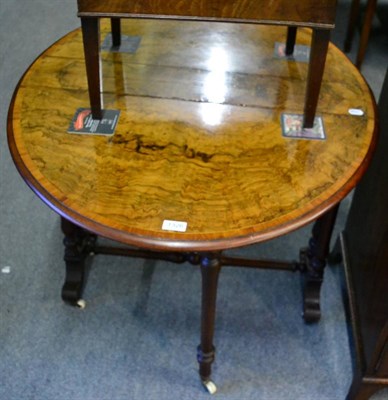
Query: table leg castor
{"x": 210, "y": 386}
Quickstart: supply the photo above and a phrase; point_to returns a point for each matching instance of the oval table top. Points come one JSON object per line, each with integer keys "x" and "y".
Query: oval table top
{"x": 199, "y": 136}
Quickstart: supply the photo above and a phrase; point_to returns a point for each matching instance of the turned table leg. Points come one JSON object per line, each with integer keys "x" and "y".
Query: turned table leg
{"x": 210, "y": 268}
{"x": 313, "y": 260}
{"x": 78, "y": 245}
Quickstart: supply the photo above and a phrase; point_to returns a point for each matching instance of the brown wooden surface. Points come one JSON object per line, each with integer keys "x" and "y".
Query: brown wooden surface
{"x": 300, "y": 12}
{"x": 198, "y": 140}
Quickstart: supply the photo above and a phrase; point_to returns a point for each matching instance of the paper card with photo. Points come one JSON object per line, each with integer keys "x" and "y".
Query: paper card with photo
{"x": 301, "y": 53}
{"x": 84, "y": 124}
{"x": 129, "y": 44}
{"x": 292, "y": 127}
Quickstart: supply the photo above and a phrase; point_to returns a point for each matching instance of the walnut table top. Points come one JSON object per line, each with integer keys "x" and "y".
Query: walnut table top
{"x": 199, "y": 136}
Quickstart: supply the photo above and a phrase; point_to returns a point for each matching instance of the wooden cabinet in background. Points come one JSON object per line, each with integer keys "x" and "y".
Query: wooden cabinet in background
{"x": 365, "y": 255}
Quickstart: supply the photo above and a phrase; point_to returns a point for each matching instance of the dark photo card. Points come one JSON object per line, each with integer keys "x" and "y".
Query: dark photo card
{"x": 83, "y": 123}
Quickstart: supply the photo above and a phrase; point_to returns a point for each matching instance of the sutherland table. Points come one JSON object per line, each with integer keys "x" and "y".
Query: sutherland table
{"x": 199, "y": 140}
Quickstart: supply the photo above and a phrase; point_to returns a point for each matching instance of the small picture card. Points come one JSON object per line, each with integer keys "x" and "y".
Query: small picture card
{"x": 83, "y": 123}
{"x": 129, "y": 44}
{"x": 292, "y": 127}
{"x": 176, "y": 226}
{"x": 301, "y": 53}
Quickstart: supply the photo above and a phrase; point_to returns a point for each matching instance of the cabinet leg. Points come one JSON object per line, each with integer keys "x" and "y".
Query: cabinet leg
{"x": 319, "y": 46}
{"x": 78, "y": 245}
{"x": 91, "y": 40}
{"x": 210, "y": 268}
{"x": 314, "y": 260}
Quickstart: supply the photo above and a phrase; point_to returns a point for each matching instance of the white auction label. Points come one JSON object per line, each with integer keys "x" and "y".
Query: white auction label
{"x": 177, "y": 226}
{"x": 356, "y": 111}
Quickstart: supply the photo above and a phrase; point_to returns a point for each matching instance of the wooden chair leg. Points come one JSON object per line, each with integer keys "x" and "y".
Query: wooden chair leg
{"x": 210, "y": 268}
{"x": 115, "y": 24}
{"x": 291, "y": 38}
{"x": 319, "y": 46}
{"x": 367, "y": 25}
{"x": 354, "y": 12}
{"x": 91, "y": 40}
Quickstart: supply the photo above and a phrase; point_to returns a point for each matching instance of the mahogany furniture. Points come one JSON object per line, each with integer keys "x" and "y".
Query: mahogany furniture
{"x": 365, "y": 252}
{"x": 366, "y": 27}
{"x": 199, "y": 140}
{"x": 317, "y": 14}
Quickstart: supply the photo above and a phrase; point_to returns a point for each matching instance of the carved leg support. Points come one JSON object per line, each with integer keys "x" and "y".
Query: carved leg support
{"x": 91, "y": 39}
{"x": 314, "y": 261}
{"x": 78, "y": 245}
{"x": 210, "y": 268}
{"x": 319, "y": 46}
{"x": 115, "y": 24}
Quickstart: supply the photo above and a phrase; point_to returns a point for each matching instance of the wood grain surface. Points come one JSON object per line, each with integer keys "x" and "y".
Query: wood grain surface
{"x": 199, "y": 136}
{"x": 300, "y": 12}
